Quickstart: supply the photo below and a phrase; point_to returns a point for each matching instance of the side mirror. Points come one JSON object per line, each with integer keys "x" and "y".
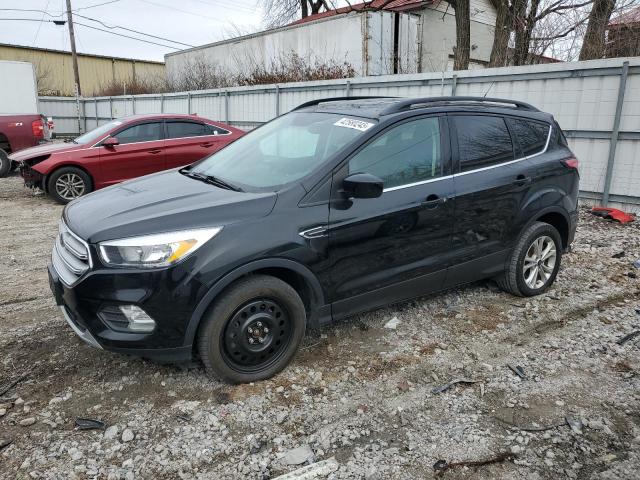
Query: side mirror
{"x": 111, "y": 142}
{"x": 362, "y": 185}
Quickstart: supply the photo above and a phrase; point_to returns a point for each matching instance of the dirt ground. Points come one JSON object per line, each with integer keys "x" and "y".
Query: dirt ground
{"x": 360, "y": 400}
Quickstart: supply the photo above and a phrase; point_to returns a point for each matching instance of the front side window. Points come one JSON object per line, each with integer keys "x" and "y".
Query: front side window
{"x": 532, "y": 136}
{"x": 405, "y": 154}
{"x": 483, "y": 141}
{"x": 143, "y": 132}
{"x": 284, "y": 150}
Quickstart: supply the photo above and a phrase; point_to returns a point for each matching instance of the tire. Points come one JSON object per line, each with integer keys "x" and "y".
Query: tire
{"x": 268, "y": 308}
{"x": 529, "y": 273}
{"x": 5, "y": 164}
{"x": 76, "y": 181}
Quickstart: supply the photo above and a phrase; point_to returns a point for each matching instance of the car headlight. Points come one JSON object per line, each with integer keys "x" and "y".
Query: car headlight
{"x": 158, "y": 250}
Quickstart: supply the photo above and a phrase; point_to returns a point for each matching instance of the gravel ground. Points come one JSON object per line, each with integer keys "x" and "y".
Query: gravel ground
{"x": 360, "y": 400}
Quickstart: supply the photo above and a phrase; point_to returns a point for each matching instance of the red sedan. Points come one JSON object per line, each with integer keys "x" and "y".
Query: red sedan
{"x": 119, "y": 150}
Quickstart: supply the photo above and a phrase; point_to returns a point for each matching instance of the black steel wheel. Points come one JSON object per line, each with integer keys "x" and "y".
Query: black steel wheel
{"x": 256, "y": 335}
{"x": 253, "y": 330}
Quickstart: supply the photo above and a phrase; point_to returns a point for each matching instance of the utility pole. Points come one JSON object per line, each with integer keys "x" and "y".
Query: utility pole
{"x": 74, "y": 55}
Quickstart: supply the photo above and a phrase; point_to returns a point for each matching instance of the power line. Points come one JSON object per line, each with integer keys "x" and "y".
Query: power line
{"x": 57, "y": 22}
{"x": 40, "y": 24}
{"x": 133, "y": 31}
{"x": 123, "y": 35}
{"x": 44, "y": 12}
{"x": 199, "y": 15}
{"x": 96, "y": 5}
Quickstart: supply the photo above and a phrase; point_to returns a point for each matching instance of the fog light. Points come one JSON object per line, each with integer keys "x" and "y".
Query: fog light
{"x": 138, "y": 319}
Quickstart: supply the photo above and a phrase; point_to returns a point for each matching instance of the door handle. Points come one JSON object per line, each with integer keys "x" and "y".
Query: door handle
{"x": 207, "y": 144}
{"x": 522, "y": 180}
{"x": 433, "y": 201}
{"x": 155, "y": 150}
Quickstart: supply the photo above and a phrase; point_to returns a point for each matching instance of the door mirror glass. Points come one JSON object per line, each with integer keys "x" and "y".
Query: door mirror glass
{"x": 362, "y": 185}
{"x": 111, "y": 142}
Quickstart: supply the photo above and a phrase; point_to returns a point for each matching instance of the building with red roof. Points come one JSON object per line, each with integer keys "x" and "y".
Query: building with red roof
{"x": 623, "y": 35}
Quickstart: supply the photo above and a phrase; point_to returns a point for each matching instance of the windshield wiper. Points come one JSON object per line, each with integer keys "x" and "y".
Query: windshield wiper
{"x": 210, "y": 179}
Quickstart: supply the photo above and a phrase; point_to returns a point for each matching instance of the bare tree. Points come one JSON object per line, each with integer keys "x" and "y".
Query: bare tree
{"x": 281, "y": 12}
{"x": 502, "y": 33}
{"x": 593, "y": 45}
{"x": 463, "y": 34}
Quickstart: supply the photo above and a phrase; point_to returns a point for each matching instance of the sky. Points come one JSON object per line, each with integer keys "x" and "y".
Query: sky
{"x": 192, "y": 22}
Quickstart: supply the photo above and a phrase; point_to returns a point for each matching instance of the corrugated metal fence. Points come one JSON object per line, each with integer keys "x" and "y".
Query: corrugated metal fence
{"x": 597, "y": 103}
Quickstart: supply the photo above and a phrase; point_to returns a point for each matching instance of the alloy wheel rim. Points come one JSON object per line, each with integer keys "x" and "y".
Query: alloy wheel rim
{"x": 256, "y": 336}
{"x": 539, "y": 262}
{"x": 70, "y": 186}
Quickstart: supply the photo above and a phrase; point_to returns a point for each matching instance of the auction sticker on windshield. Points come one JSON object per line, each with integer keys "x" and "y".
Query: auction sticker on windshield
{"x": 352, "y": 123}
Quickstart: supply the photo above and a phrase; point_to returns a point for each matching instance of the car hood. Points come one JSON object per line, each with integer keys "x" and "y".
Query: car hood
{"x": 44, "y": 149}
{"x": 161, "y": 202}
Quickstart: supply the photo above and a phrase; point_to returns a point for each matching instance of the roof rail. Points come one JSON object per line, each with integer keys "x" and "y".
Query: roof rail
{"x": 410, "y": 102}
{"x": 334, "y": 99}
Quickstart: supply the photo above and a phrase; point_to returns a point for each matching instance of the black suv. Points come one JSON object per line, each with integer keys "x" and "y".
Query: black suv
{"x": 340, "y": 206}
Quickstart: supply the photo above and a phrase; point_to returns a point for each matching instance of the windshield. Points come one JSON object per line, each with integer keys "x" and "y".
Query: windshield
{"x": 97, "y": 133}
{"x": 282, "y": 151}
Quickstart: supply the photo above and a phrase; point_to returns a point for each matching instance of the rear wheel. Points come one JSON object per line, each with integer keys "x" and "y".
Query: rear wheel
{"x": 5, "y": 163}
{"x": 253, "y": 330}
{"x": 534, "y": 262}
{"x": 68, "y": 183}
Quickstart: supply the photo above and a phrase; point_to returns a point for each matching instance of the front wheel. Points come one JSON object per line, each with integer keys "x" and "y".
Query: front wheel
{"x": 68, "y": 183}
{"x": 253, "y": 330}
{"x": 534, "y": 262}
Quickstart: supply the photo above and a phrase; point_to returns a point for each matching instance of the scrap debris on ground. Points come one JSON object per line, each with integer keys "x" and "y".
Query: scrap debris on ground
{"x": 362, "y": 399}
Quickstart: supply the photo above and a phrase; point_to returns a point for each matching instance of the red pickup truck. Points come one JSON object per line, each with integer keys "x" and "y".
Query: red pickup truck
{"x": 18, "y": 132}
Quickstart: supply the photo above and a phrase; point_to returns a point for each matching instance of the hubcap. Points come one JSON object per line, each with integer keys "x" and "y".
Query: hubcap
{"x": 539, "y": 262}
{"x": 70, "y": 186}
{"x": 256, "y": 335}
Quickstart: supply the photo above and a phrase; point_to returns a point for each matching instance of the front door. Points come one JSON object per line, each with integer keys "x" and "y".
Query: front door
{"x": 140, "y": 151}
{"x": 391, "y": 247}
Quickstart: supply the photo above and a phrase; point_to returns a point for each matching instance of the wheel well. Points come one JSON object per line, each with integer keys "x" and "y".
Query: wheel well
{"x": 560, "y": 223}
{"x": 4, "y": 143}
{"x": 297, "y": 282}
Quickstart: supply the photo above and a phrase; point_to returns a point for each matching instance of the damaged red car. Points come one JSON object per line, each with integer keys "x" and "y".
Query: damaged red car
{"x": 119, "y": 150}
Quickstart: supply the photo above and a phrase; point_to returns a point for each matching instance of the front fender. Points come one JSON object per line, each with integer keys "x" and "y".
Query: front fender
{"x": 317, "y": 293}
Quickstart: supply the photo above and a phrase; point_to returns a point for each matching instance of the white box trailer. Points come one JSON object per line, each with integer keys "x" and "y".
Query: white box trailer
{"x": 18, "y": 88}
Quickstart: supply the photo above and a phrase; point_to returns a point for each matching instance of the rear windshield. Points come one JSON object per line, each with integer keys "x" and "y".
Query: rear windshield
{"x": 284, "y": 150}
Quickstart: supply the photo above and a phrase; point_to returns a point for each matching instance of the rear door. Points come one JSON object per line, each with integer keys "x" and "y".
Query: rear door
{"x": 140, "y": 151}
{"x": 392, "y": 247}
{"x": 188, "y": 141}
{"x": 491, "y": 181}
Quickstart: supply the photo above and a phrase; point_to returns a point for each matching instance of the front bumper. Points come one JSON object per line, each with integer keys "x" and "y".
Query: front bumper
{"x": 32, "y": 179}
{"x": 82, "y": 303}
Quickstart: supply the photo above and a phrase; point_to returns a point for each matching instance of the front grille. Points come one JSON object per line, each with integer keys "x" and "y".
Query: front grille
{"x": 70, "y": 258}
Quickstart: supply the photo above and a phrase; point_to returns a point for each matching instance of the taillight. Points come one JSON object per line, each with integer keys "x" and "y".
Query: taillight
{"x": 571, "y": 163}
{"x": 37, "y": 127}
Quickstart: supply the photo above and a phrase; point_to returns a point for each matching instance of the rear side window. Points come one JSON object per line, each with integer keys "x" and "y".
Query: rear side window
{"x": 405, "y": 154}
{"x": 186, "y": 129}
{"x": 215, "y": 130}
{"x": 143, "y": 132}
{"x": 532, "y": 136}
{"x": 482, "y": 141}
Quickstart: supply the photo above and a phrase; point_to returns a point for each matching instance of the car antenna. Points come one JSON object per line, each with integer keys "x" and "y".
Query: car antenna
{"x": 488, "y": 89}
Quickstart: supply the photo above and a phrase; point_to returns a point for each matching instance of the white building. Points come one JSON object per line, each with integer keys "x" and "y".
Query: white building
{"x": 405, "y": 36}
